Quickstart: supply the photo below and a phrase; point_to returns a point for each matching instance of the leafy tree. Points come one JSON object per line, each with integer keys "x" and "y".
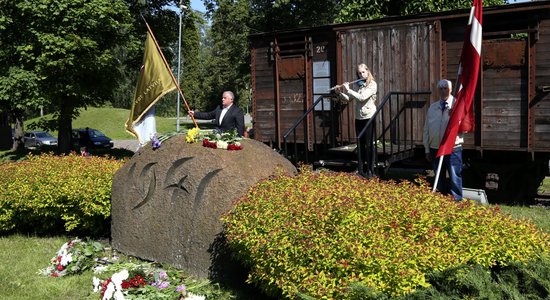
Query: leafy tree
{"x": 67, "y": 49}
{"x": 18, "y": 87}
{"x": 18, "y": 92}
{"x": 163, "y": 20}
{"x": 285, "y": 14}
{"x": 353, "y": 10}
{"x": 191, "y": 79}
{"x": 192, "y": 66}
{"x": 228, "y": 67}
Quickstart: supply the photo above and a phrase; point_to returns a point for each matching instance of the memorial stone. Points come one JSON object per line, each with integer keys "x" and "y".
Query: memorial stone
{"x": 167, "y": 202}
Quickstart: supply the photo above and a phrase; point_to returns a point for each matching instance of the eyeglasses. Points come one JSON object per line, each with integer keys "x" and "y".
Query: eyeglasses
{"x": 443, "y": 88}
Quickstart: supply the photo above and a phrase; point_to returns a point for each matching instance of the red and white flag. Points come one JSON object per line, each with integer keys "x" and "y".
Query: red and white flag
{"x": 462, "y": 115}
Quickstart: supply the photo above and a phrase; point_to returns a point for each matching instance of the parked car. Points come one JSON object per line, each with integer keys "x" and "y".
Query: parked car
{"x": 37, "y": 139}
{"x": 90, "y": 138}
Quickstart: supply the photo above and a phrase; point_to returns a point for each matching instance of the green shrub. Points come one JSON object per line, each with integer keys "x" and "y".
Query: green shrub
{"x": 317, "y": 234}
{"x": 530, "y": 280}
{"x": 46, "y": 193}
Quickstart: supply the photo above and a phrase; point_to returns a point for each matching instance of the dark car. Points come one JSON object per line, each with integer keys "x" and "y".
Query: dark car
{"x": 38, "y": 139}
{"x": 90, "y": 138}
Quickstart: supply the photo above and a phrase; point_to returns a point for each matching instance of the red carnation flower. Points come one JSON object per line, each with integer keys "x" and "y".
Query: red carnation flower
{"x": 233, "y": 147}
{"x": 125, "y": 284}
{"x": 139, "y": 281}
{"x": 60, "y": 267}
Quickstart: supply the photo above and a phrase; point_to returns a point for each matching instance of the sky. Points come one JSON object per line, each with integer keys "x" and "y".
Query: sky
{"x": 197, "y": 5}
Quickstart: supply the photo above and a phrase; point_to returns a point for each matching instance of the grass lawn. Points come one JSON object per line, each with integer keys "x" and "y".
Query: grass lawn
{"x": 23, "y": 257}
{"x": 539, "y": 215}
{"x": 111, "y": 122}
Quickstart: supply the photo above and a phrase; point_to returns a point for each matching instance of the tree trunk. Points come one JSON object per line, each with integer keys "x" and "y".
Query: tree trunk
{"x": 65, "y": 126}
{"x": 19, "y": 132}
{"x": 6, "y": 139}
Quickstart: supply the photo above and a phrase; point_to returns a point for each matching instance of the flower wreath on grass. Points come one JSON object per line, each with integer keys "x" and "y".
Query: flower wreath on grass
{"x": 143, "y": 281}
{"x": 124, "y": 277}
{"x": 74, "y": 257}
{"x": 215, "y": 139}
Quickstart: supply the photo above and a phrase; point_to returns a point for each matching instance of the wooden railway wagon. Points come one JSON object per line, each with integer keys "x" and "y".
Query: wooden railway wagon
{"x": 507, "y": 154}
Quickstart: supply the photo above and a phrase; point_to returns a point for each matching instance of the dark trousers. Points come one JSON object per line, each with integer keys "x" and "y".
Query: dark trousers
{"x": 452, "y": 163}
{"x": 367, "y": 150}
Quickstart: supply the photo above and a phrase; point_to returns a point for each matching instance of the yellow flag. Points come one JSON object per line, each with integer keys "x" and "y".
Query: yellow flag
{"x": 155, "y": 80}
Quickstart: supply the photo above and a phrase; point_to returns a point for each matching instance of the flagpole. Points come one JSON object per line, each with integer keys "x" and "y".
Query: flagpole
{"x": 459, "y": 70}
{"x": 170, "y": 71}
{"x": 438, "y": 172}
{"x": 456, "y": 89}
{"x": 182, "y": 7}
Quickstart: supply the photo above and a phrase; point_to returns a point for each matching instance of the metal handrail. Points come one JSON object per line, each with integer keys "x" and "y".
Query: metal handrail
{"x": 393, "y": 122}
{"x": 372, "y": 142}
{"x": 292, "y": 129}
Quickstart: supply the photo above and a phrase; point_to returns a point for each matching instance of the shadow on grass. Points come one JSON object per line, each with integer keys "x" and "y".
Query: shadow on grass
{"x": 230, "y": 273}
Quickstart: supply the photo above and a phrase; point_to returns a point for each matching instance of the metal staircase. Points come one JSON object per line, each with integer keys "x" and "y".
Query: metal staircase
{"x": 392, "y": 139}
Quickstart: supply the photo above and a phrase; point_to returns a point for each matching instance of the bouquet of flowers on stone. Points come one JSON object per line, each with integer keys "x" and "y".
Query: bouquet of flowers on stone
{"x": 73, "y": 257}
{"x": 215, "y": 139}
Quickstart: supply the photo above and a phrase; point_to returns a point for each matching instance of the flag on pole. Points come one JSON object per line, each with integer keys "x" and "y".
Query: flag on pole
{"x": 155, "y": 80}
{"x": 461, "y": 119}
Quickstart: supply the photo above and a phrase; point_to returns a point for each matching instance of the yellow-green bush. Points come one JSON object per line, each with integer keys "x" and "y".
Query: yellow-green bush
{"x": 317, "y": 234}
{"x": 43, "y": 193}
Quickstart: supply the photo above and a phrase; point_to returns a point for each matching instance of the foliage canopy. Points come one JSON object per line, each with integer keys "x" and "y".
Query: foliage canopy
{"x": 66, "y": 49}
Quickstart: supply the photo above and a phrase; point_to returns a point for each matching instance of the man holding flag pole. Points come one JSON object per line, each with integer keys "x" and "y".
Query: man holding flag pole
{"x": 460, "y": 117}
{"x": 437, "y": 120}
{"x": 155, "y": 80}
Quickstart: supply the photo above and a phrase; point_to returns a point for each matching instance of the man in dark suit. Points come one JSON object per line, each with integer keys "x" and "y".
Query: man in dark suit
{"x": 227, "y": 116}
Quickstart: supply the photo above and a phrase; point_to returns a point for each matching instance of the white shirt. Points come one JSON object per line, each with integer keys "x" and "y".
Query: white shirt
{"x": 436, "y": 124}
{"x": 224, "y": 111}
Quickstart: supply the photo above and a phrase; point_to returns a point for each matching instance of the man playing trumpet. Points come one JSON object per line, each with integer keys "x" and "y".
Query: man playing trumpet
{"x": 365, "y": 107}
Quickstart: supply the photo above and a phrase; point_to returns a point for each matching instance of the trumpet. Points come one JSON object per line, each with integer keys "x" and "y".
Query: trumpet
{"x": 340, "y": 85}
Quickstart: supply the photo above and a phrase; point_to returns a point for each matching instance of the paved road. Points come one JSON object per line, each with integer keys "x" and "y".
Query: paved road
{"x": 131, "y": 145}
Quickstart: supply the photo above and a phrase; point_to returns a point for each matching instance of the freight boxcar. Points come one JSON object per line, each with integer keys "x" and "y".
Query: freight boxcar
{"x": 295, "y": 110}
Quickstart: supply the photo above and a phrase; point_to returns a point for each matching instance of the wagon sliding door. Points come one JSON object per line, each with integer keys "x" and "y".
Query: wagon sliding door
{"x": 291, "y": 85}
{"x": 504, "y": 122}
{"x": 402, "y": 58}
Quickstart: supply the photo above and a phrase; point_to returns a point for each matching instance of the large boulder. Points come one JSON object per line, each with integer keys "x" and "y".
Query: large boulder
{"x": 167, "y": 203}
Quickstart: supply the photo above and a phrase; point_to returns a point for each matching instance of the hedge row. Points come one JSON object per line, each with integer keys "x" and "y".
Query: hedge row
{"x": 317, "y": 234}
{"x": 48, "y": 194}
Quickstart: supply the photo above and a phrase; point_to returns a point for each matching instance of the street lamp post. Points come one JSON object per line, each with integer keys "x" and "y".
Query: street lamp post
{"x": 182, "y": 8}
